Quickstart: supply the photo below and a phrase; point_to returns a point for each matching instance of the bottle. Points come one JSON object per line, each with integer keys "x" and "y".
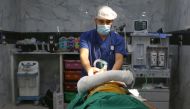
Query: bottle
{"x": 4, "y": 40}
{"x": 51, "y": 44}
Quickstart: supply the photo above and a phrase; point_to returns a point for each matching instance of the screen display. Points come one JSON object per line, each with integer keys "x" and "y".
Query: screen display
{"x": 140, "y": 25}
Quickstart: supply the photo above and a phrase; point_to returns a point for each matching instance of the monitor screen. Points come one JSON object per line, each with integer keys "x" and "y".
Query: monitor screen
{"x": 140, "y": 25}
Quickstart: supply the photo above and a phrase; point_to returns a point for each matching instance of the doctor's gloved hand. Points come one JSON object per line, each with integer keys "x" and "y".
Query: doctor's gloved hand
{"x": 93, "y": 70}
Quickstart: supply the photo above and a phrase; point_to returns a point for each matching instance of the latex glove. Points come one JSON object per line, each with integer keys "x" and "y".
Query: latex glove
{"x": 100, "y": 71}
{"x": 91, "y": 71}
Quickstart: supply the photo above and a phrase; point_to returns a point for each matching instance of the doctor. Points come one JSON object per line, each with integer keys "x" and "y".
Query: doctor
{"x": 102, "y": 43}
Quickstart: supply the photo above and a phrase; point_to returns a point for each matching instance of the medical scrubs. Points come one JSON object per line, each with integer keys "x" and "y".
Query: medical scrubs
{"x": 99, "y": 49}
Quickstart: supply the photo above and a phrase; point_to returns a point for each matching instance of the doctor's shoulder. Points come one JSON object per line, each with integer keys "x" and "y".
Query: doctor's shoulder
{"x": 117, "y": 36}
{"x": 87, "y": 34}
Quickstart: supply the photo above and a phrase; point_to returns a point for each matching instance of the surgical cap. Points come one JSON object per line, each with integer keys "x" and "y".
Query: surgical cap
{"x": 105, "y": 12}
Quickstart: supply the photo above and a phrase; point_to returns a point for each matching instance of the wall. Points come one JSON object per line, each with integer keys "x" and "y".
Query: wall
{"x": 180, "y": 81}
{"x": 5, "y": 75}
{"x": 184, "y": 80}
{"x": 9, "y": 15}
{"x": 74, "y": 15}
{"x": 177, "y": 15}
{"x": 70, "y": 15}
{"x": 78, "y": 15}
{"x": 174, "y": 80}
{"x": 177, "y": 18}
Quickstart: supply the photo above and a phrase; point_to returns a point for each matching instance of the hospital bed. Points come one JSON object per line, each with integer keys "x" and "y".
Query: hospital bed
{"x": 108, "y": 90}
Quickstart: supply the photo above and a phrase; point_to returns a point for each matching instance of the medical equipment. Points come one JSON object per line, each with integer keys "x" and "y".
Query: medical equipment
{"x": 28, "y": 77}
{"x": 103, "y": 64}
{"x": 141, "y": 24}
{"x": 150, "y": 62}
{"x": 161, "y": 58}
{"x": 149, "y": 57}
{"x": 153, "y": 58}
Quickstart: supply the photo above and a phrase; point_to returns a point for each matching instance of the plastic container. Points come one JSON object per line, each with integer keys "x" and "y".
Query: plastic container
{"x": 70, "y": 86}
{"x": 72, "y": 65}
{"x": 69, "y": 96}
{"x": 77, "y": 45}
{"x": 72, "y": 75}
{"x": 58, "y": 102}
{"x": 63, "y": 44}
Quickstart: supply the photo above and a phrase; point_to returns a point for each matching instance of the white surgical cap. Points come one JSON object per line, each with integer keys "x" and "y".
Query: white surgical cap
{"x": 105, "y": 12}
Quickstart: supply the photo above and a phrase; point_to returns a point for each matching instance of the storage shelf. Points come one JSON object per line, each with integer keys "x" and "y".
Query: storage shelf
{"x": 48, "y": 53}
{"x": 42, "y": 56}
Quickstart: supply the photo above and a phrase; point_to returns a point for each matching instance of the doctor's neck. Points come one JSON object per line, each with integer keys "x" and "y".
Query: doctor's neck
{"x": 103, "y": 37}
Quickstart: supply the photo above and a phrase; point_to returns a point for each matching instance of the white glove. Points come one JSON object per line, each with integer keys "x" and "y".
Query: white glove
{"x": 93, "y": 70}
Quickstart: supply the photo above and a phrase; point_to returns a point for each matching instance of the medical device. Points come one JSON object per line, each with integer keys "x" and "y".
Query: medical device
{"x": 28, "y": 77}
{"x": 141, "y": 26}
{"x": 103, "y": 64}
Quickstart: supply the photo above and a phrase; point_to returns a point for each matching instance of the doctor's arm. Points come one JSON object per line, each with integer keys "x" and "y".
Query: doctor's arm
{"x": 118, "y": 61}
{"x": 84, "y": 54}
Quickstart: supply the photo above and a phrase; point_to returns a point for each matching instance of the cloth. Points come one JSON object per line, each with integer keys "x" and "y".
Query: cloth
{"x": 99, "y": 49}
{"x": 106, "y": 100}
{"x": 114, "y": 87}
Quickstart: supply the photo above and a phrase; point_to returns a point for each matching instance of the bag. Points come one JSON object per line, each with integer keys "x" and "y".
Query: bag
{"x": 58, "y": 102}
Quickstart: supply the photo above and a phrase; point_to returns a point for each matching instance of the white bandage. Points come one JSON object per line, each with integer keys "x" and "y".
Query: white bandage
{"x": 88, "y": 82}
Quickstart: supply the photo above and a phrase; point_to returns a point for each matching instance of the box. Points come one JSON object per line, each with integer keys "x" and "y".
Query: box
{"x": 72, "y": 75}
{"x": 69, "y": 96}
{"x": 58, "y": 102}
{"x": 72, "y": 64}
{"x": 70, "y": 86}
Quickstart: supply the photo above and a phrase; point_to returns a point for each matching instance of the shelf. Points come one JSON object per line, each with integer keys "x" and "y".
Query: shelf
{"x": 161, "y": 35}
{"x": 48, "y": 53}
{"x": 154, "y": 90}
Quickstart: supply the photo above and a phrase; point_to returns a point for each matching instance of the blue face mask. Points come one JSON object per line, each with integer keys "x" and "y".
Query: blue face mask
{"x": 103, "y": 29}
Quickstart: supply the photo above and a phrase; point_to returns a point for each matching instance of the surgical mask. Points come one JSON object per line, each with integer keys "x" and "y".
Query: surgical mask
{"x": 103, "y": 29}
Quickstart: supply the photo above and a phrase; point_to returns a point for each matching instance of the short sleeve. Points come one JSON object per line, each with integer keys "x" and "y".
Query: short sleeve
{"x": 83, "y": 41}
{"x": 120, "y": 46}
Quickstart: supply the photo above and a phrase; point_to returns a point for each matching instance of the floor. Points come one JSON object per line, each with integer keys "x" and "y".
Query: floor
{"x": 23, "y": 106}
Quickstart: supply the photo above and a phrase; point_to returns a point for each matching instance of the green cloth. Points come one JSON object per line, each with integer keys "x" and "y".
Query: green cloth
{"x": 106, "y": 100}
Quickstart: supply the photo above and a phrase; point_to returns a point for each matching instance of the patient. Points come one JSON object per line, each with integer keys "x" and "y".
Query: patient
{"x": 107, "y": 90}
